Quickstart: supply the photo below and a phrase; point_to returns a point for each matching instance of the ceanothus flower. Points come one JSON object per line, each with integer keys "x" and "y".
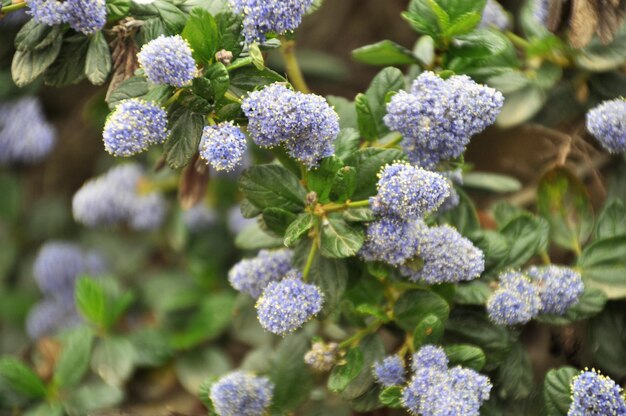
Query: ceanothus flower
{"x": 515, "y": 302}
{"x": 168, "y": 60}
{"x": 430, "y": 356}
{"x": 241, "y": 394}
{"x": 114, "y": 199}
{"x": 264, "y": 16}
{"x": 49, "y": 12}
{"x": 390, "y": 371}
{"x": 86, "y": 16}
{"x": 49, "y": 316}
{"x": 25, "y": 135}
{"x": 391, "y": 240}
{"x": 596, "y": 395}
{"x": 199, "y": 217}
{"x": 408, "y": 192}
{"x": 470, "y": 384}
{"x": 288, "y": 304}
{"x": 438, "y": 117}
{"x": 540, "y": 10}
{"x": 322, "y": 357}
{"x": 607, "y": 123}
{"x": 494, "y": 15}
{"x": 222, "y": 146}
{"x": 447, "y": 257}
{"x": 133, "y": 127}
{"x": 304, "y": 123}
{"x": 559, "y": 287}
{"x": 252, "y": 276}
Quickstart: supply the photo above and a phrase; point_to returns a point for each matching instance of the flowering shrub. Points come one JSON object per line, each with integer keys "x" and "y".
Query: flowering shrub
{"x": 272, "y": 251}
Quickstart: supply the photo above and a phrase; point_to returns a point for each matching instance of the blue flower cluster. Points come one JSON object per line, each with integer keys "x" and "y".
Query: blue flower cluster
{"x": 438, "y": 117}
{"x": 223, "y": 146}
{"x": 85, "y": 16}
{"x": 559, "y": 287}
{"x": 516, "y": 301}
{"x": 454, "y": 177}
{"x": 322, "y": 357}
{"x": 264, "y": 16}
{"x": 390, "y": 371}
{"x": 168, "y": 60}
{"x": 594, "y": 394}
{"x": 447, "y": 257}
{"x": 199, "y": 217}
{"x": 25, "y": 135}
{"x": 252, "y": 276}
{"x": 133, "y": 127}
{"x": 392, "y": 241}
{"x": 495, "y": 16}
{"x": 56, "y": 268}
{"x": 288, "y": 304}
{"x": 607, "y": 123}
{"x": 540, "y": 10}
{"x": 408, "y": 192}
{"x": 114, "y": 199}
{"x": 241, "y": 394}
{"x": 435, "y": 390}
{"x": 304, "y": 123}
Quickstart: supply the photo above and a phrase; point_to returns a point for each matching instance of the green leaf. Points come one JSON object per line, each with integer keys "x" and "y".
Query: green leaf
{"x": 347, "y": 143}
{"x": 73, "y": 361}
{"x": 249, "y": 78}
{"x": 365, "y": 117}
{"x": 463, "y": 24}
{"x": 603, "y": 266}
{"x": 185, "y": 131}
{"x": 384, "y": 53}
{"x": 69, "y": 67}
{"x": 11, "y": 197}
{"x": 254, "y": 238}
{"x": 495, "y": 247}
{"x": 343, "y": 373}
{"x": 35, "y": 36}
{"x": 331, "y": 276}
{"x": 230, "y": 37}
{"x": 46, "y": 409}
{"x": 463, "y": 217}
{"x": 173, "y": 18}
{"x": 117, "y": 9}
{"x": 373, "y": 350}
{"x": 491, "y": 182}
{"x": 298, "y": 228}
{"x": 343, "y": 184}
{"x": 98, "y": 63}
{"x": 472, "y": 293}
{"x": 524, "y": 235}
{"x": 202, "y": 34}
{"x": 114, "y": 360}
{"x": 556, "y": 390}
{"x": 608, "y": 339}
{"x": 268, "y": 186}
{"x": 428, "y": 331}
{"x": 391, "y": 397}
{"x": 133, "y": 87}
{"x": 21, "y": 379}
{"x": 563, "y": 200}
{"x": 220, "y": 80}
{"x": 414, "y": 306}
{"x": 368, "y": 162}
{"x": 479, "y": 44}
{"x": 28, "y": 65}
{"x": 277, "y": 219}
{"x": 359, "y": 215}
{"x": 516, "y": 374}
{"x": 93, "y": 396}
{"x": 591, "y": 303}
{"x": 386, "y": 81}
{"x": 91, "y": 301}
{"x": 340, "y": 239}
{"x": 466, "y": 355}
{"x": 611, "y": 221}
{"x": 151, "y": 345}
{"x": 320, "y": 179}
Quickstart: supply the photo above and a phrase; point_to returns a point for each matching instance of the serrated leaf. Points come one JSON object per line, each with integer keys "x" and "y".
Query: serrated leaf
{"x": 117, "y": 9}
{"x": 340, "y": 239}
{"x": 298, "y": 228}
{"x": 201, "y": 33}
{"x": 416, "y": 305}
{"x": 185, "y": 129}
{"x": 384, "y": 53}
{"x": 611, "y": 221}
{"x": 524, "y": 235}
{"x": 278, "y": 219}
{"x": 556, "y": 390}
{"x": 98, "y": 62}
{"x": 603, "y": 265}
{"x": 21, "y": 379}
{"x": 73, "y": 361}
{"x": 368, "y": 162}
{"x": 133, "y": 87}
{"x": 34, "y": 36}
{"x": 391, "y": 397}
{"x": 29, "y": 65}
{"x": 428, "y": 331}
{"x": 268, "y": 186}
{"x": 466, "y": 355}
{"x": 343, "y": 374}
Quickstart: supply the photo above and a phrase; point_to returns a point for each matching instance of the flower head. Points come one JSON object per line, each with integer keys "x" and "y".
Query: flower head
{"x": 607, "y": 123}
{"x": 430, "y": 356}
{"x": 447, "y": 257}
{"x": 322, "y": 357}
{"x": 113, "y": 199}
{"x": 391, "y": 240}
{"x": 133, "y": 127}
{"x": 494, "y": 15}
{"x": 252, "y": 276}
{"x": 304, "y": 123}
{"x": 49, "y": 316}
{"x": 408, "y": 192}
{"x": 223, "y": 146}
{"x": 595, "y": 394}
{"x": 168, "y": 60}
{"x": 390, "y": 371}
{"x": 288, "y": 304}
{"x": 515, "y": 302}
{"x": 439, "y": 117}
{"x": 263, "y": 16}
{"x": 25, "y": 135}
{"x": 49, "y": 12}
{"x": 86, "y": 16}
{"x": 241, "y": 394}
{"x": 559, "y": 287}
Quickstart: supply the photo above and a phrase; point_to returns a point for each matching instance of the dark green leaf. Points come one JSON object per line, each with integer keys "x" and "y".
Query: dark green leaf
{"x": 466, "y": 355}
{"x": 373, "y": 350}
{"x": 384, "y": 53}
{"x": 272, "y": 186}
{"x": 331, "y": 276}
{"x": 346, "y": 371}
{"x": 495, "y": 247}
{"x": 11, "y": 198}
{"x": 472, "y": 293}
{"x": 277, "y": 219}
{"x": 202, "y": 35}
{"x": 229, "y": 29}
{"x": 220, "y": 80}
{"x": 591, "y": 303}
{"x": 386, "y": 81}
{"x": 612, "y": 220}
{"x": 556, "y": 390}
{"x": 516, "y": 374}
{"x": 250, "y": 78}
{"x": 463, "y": 217}
{"x": 365, "y": 118}
{"x": 320, "y": 179}
{"x": 73, "y": 361}
{"x": 117, "y": 9}
{"x": 28, "y": 65}
{"x": 343, "y": 184}
{"x": 524, "y": 235}
{"x": 185, "y": 129}
{"x": 133, "y": 87}
{"x": 428, "y": 331}
{"x": 290, "y": 374}
{"x": 339, "y": 239}
{"x": 603, "y": 265}
{"x": 414, "y": 306}
{"x": 152, "y": 29}
{"x": 21, "y": 379}
{"x": 608, "y": 339}
{"x": 98, "y": 61}
{"x": 298, "y": 228}
{"x": 491, "y": 182}
{"x": 347, "y": 143}
{"x": 368, "y": 162}
{"x": 173, "y": 18}
{"x": 35, "y": 36}
{"x": 391, "y": 397}
{"x": 69, "y": 67}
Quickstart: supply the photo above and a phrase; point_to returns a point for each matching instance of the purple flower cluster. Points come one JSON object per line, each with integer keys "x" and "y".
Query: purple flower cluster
{"x": 288, "y": 304}
{"x": 252, "y": 276}
{"x": 607, "y": 123}
{"x": 438, "y": 117}
{"x": 559, "y": 287}
{"x": 304, "y": 123}
{"x": 540, "y": 9}
{"x": 114, "y": 199}
{"x": 390, "y": 371}
{"x": 435, "y": 390}
{"x": 392, "y": 241}
{"x": 594, "y": 394}
{"x": 168, "y": 60}
{"x": 223, "y": 146}
{"x": 495, "y": 16}
{"x": 241, "y": 394}
{"x": 25, "y": 135}
{"x": 133, "y": 127}
{"x": 85, "y": 16}
{"x": 264, "y": 16}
